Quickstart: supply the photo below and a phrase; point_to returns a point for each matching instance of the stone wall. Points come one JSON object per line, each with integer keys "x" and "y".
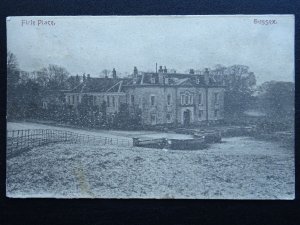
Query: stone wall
{"x": 160, "y": 108}
{"x": 162, "y": 112}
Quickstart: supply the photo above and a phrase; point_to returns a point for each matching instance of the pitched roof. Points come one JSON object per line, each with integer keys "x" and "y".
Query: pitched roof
{"x": 100, "y": 85}
{"x": 96, "y": 85}
{"x": 176, "y": 79}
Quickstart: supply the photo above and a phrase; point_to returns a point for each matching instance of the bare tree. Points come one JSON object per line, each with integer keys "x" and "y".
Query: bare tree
{"x": 12, "y": 69}
{"x": 53, "y": 77}
{"x": 105, "y": 72}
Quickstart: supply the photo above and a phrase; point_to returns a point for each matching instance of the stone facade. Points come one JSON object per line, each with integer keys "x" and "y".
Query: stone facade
{"x": 179, "y": 105}
{"x": 162, "y": 97}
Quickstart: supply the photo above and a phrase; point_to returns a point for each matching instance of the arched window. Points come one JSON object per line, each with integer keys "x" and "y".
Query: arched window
{"x": 187, "y": 98}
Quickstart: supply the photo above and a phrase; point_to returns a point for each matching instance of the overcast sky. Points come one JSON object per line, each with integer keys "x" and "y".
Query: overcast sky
{"x": 91, "y": 44}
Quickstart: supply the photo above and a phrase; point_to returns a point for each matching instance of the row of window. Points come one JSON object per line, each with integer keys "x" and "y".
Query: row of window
{"x": 71, "y": 99}
{"x": 110, "y": 100}
{"x": 201, "y": 113}
{"x": 153, "y": 118}
{"x": 152, "y": 100}
{"x": 169, "y": 116}
{"x": 186, "y": 99}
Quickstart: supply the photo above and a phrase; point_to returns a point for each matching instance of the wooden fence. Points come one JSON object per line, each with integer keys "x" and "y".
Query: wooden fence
{"x": 19, "y": 140}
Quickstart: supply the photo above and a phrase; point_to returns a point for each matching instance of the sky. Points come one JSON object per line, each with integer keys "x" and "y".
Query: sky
{"x": 90, "y": 44}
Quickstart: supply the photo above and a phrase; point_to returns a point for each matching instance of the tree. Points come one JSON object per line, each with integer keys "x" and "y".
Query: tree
{"x": 13, "y": 77}
{"x": 53, "y": 77}
{"x": 121, "y": 119}
{"x": 12, "y": 70}
{"x": 239, "y": 86}
{"x": 276, "y": 99}
{"x": 105, "y": 72}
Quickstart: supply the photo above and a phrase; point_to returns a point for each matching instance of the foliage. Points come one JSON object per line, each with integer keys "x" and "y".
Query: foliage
{"x": 126, "y": 119}
{"x": 239, "y": 85}
{"x": 276, "y": 99}
{"x": 26, "y": 92}
{"x": 53, "y": 77}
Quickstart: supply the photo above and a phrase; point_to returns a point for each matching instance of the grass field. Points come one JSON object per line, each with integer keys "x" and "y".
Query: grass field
{"x": 102, "y": 133}
{"x": 238, "y": 168}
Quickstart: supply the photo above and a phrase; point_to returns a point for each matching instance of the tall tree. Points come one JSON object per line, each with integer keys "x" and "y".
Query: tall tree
{"x": 13, "y": 77}
{"x": 239, "y": 86}
{"x": 276, "y": 99}
{"x": 105, "y": 72}
{"x": 13, "y": 71}
{"x": 53, "y": 77}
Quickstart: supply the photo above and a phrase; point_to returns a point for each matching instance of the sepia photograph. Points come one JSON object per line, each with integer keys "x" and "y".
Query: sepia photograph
{"x": 151, "y": 107}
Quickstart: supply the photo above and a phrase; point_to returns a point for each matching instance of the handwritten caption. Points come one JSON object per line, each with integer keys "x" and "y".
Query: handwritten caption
{"x": 265, "y": 22}
{"x": 39, "y": 23}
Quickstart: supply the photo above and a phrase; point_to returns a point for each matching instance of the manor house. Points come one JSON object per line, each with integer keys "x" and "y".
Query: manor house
{"x": 162, "y": 97}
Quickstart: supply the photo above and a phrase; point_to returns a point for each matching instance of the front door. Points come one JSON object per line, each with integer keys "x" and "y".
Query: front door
{"x": 186, "y": 117}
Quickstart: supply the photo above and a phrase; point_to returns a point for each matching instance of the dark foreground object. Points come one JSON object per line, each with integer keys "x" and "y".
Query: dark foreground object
{"x": 199, "y": 142}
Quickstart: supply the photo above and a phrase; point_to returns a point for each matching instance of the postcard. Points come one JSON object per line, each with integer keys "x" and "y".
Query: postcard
{"x": 152, "y": 107}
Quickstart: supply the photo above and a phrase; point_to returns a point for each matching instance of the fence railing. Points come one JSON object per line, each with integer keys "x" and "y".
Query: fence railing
{"x": 18, "y": 140}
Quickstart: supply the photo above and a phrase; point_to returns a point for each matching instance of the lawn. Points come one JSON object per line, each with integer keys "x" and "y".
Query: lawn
{"x": 97, "y": 132}
{"x": 238, "y": 168}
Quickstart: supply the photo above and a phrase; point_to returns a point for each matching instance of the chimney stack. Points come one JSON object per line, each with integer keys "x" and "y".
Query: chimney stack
{"x": 192, "y": 71}
{"x": 165, "y": 70}
{"x": 161, "y": 76}
{"x": 160, "y": 69}
{"x": 135, "y": 75}
{"x": 114, "y": 73}
{"x": 135, "y": 72}
{"x": 83, "y": 77}
{"x": 206, "y": 76}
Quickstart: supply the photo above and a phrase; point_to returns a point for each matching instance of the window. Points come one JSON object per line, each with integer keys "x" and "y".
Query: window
{"x": 152, "y": 100}
{"x": 200, "y": 99}
{"x": 73, "y": 99}
{"x": 77, "y": 98}
{"x": 152, "y": 80}
{"x": 186, "y": 99}
{"x": 108, "y": 102}
{"x": 169, "y": 99}
{"x": 201, "y": 114}
{"x": 166, "y": 80}
{"x": 45, "y": 106}
{"x": 153, "y": 118}
{"x": 168, "y": 117}
{"x": 94, "y": 100}
{"x": 132, "y": 99}
{"x": 191, "y": 99}
{"x": 216, "y": 95}
{"x": 216, "y": 112}
{"x": 113, "y": 101}
{"x": 69, "y": 99}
